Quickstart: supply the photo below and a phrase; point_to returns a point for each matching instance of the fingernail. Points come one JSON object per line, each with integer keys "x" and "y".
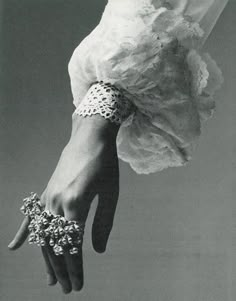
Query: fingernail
{"x": 66, "y": 290}
{"x": 50, "y": 280}
{"x": 11, "y": 244}
{"x": 100, "y": 247}
{"x": 77, "y": 286}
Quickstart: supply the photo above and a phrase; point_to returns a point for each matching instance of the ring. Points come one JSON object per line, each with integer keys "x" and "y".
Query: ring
{"x": 32, "y": 205}
{"x": 46, "y": 228}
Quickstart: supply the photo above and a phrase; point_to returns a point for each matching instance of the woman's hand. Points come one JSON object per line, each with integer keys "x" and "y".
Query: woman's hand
{"x": 88, "y": 166}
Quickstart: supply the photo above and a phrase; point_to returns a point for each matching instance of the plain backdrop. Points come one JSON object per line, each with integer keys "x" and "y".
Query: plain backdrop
{"x": 174, "y": 232}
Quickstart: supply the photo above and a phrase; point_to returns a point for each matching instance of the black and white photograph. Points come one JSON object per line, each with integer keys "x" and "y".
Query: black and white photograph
{"x": 118, "y": 150}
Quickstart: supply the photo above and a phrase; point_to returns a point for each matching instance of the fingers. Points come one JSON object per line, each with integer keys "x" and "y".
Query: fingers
{"x": 21, "y": 235}
{"x": 67, "y": 269}
{"x": 77, "y": 209}
{"x": 56, "y": 265}
{"x": 51, "y": 277}
{"x": 75, "y": 270}
{"x": 103, "y": 220}
{"x": 59, "y": 267}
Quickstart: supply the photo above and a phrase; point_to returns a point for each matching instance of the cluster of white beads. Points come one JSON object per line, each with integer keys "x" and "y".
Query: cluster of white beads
{"x": 53, "y": 230}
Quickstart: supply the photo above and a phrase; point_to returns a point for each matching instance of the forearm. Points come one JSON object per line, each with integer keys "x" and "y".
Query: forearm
{"x": 92, "y": 135}
{"x": 97, "y": 119}
{"x": 97, "y": 126}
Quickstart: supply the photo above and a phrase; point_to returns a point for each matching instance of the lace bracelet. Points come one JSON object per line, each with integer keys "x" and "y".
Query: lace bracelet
{"x": 106, "y": 100}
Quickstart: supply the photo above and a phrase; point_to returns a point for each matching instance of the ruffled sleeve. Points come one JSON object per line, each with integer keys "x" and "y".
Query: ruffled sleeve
{"x": 151, "y": 50}
{"x": 204, "y": 12}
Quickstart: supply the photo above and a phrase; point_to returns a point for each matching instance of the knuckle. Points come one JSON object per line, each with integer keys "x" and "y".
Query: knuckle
{"x": 53, "y": 199}
{"x": 54, "y": 204}
{"x": 70, "y": 202}
{"x": 71, "y": 199}
{"x": 67, "y": 199}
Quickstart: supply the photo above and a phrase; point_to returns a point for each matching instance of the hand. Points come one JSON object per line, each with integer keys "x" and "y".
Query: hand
{"x": 88, "y": 166}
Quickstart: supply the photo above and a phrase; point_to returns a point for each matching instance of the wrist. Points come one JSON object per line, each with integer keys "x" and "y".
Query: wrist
{"x": 100, "y": 113}
{"x": 94, "y": 127}
{"x": 106, "y": 100}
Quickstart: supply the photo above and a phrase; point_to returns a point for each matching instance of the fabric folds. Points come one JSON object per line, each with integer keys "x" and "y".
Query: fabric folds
{"x": 151, "y": 50}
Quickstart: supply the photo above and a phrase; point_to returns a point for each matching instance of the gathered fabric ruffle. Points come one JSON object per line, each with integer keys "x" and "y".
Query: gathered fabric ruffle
{"x": 151, "y": 53}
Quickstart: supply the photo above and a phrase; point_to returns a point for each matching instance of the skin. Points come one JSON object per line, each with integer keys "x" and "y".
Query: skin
{"x": 88, "y": 166}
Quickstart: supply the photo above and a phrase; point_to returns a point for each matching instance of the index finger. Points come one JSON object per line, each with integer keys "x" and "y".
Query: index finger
{"x": 21, "y": 235}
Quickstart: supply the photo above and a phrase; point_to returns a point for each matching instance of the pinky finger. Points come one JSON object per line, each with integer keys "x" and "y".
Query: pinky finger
{"x": 21, "y": 235}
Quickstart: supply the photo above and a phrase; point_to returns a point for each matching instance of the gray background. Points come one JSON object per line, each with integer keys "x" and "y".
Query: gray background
{"x": 174, "y": 233}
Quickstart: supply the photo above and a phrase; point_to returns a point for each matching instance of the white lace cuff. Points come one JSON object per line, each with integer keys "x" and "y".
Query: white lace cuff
{"x": 106, "y": 100}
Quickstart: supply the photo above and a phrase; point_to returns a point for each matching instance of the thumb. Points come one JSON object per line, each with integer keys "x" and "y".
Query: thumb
{"x": 21, "y": 235}
{"x": 103, "y": 220}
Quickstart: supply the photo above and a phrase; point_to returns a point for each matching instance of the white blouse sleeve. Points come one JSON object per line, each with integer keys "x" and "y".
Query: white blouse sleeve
{"x": 150, "y": 49}
{"x": 204, "y": 12}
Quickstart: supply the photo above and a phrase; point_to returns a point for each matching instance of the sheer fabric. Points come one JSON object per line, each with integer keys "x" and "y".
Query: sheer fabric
{"x": 150, "y": 49}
